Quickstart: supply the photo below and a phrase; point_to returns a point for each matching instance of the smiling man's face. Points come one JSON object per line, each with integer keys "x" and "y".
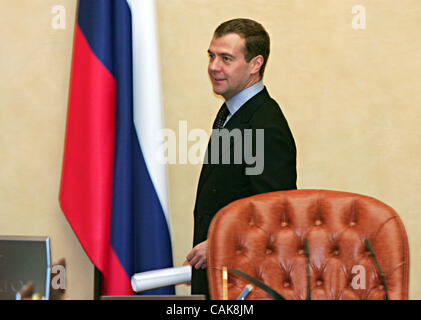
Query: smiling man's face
{"x": 228, "y": 69}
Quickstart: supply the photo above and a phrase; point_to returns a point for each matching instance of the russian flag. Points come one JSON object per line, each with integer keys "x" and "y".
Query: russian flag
{"x": 113, "y": 188}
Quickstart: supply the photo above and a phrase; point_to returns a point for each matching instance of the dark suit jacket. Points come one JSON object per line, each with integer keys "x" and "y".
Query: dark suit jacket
{"x": 220, "y": 184}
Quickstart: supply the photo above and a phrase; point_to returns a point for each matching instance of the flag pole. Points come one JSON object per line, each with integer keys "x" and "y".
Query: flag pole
{"x": 97, "y": 283}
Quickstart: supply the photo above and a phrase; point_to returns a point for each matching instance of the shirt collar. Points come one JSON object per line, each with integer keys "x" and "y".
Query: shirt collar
{"x": 235, "y": 103}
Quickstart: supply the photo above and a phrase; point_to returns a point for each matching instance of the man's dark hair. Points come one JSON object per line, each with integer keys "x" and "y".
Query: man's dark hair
{"x": 256, "y": 38}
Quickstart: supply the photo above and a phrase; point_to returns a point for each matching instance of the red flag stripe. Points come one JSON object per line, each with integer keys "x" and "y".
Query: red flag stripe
{"x": 86, "y": 184}
{"x": 115, "y": 279}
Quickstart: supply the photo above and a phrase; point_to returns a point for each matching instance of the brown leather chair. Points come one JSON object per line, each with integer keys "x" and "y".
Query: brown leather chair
{"x": 265, "y": 237}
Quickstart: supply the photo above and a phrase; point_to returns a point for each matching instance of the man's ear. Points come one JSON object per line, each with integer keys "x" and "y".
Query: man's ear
{"x": 256, "y": 63}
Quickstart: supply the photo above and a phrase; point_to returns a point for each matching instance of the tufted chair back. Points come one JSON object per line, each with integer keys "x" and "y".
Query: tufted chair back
{"x": 265, "y": 236}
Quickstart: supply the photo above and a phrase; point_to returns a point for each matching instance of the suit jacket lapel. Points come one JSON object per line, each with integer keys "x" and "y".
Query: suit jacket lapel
{"x": 240, "y": 120}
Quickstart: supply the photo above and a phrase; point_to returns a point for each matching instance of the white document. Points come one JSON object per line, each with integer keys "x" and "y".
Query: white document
{"x": 160, "y": 278}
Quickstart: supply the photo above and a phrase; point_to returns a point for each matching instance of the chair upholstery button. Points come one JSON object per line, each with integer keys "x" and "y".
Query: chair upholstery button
{"x": 301, "y": 251}
{"x": 318, "y": 222}
{"x": 268, "y": 251}
{"x": 336, "y": 252}
{"x": 284, "y": 224}
{"x": 352, "y": 223}
{"x": 380, "y": 287}
{"x": 286, "y": 284}
{"x": 319, "y": 283}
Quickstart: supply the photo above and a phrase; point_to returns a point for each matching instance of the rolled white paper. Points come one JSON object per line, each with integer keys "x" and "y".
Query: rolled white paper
{"x": 160, "y": 278}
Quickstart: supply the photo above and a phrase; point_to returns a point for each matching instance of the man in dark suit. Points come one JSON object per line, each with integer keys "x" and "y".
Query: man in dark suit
{"x": 255, "y": 129}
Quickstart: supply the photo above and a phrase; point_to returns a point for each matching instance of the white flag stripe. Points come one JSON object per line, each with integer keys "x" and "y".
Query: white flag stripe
{"x": 147, "y": 93}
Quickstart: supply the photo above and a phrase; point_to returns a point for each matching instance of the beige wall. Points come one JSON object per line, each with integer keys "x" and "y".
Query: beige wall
{"x": 351, "y": 98}
{"x": 35, "y": 64}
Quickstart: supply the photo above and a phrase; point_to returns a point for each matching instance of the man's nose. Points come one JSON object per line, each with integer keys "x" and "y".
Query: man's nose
{"x": 215, "y": 65}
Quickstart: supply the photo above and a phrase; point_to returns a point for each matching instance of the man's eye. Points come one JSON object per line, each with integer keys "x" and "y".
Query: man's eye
{"x": 227, "y": 59}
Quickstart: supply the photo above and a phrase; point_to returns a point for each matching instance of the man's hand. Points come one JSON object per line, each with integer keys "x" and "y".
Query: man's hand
{"x": 197, "y": 256}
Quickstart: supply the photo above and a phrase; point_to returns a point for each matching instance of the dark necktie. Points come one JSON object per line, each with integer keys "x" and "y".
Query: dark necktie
{"x": 221, "y": 117}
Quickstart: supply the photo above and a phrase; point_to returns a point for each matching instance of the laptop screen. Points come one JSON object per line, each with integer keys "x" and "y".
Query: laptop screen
{"x": 24, "y": 259}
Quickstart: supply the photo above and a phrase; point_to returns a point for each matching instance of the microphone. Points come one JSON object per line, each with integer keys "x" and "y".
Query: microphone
{"x": 247, "y": 289}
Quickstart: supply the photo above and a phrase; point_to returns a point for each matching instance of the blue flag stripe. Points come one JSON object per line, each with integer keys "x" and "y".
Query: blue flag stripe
{"x": 96, "y": 22}
{"x": 139, "y": 230}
